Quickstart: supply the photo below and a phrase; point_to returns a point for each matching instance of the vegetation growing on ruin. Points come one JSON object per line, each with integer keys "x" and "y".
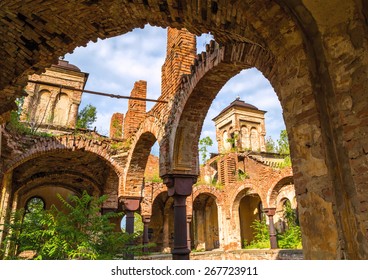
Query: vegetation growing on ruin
{"x": 291, "y": 238}
{"x": 14, "y": 123}
{"x": 261, "y": 236}
{"x": 204, "y": 144}
{"x": 78, "y": 231}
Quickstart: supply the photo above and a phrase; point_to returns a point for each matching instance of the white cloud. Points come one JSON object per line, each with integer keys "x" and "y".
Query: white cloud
{"x": 115, "y": 64}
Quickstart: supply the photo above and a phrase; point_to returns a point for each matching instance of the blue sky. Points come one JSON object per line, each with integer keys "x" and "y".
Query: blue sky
{"x": 115, "y": 64}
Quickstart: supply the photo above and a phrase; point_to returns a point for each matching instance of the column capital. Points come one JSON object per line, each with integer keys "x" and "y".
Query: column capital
{"x": 269, "y": 211}
{"x": 130, "y": 203}
{"x": 179, "y": 184}
{"x": 146, "y": 219}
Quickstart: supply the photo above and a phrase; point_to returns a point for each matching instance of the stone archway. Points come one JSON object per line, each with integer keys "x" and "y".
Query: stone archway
{"x": 205, "y": 224}
{"x": 321, "y": 57}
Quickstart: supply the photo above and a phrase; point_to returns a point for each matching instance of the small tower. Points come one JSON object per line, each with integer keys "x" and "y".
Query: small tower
{"x": 52, "y": 104}
{"x": 241, "y": 127}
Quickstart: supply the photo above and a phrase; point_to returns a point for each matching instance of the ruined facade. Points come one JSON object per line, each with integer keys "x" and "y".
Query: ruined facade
{"x": 314, "y": 55}
{"x": 53, "y": 98}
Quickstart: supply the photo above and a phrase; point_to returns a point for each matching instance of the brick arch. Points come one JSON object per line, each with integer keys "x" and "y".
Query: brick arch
{"x": 142, "y": 141}
{"x": 136, "y": 165}
{"x": 149, "y": 197}
{"x": 44, "y": 146}
{"x": 22, "y": 191}
{"x": 211, "y": 191}
{"x": 210, "y": 72}
{"x": 236, "y": 196}
{"x": 271, "y": 197}
{"x": 60, "y": 178}
{"x": 49, "y": 37}
{"x": 33, "y": 37}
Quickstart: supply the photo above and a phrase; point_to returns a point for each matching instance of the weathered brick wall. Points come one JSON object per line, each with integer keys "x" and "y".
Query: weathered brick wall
{"x": 320, "y": 53}
{"x": 152, "y": 168}
{"x": 116, "y": 126}
{"x": 136, "y": 109}
{"x": 180, "y": 53}
{"x": 54, "y": 105}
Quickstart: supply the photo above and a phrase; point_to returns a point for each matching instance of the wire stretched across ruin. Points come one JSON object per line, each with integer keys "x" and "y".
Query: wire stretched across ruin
{"x": 97, "y": 92}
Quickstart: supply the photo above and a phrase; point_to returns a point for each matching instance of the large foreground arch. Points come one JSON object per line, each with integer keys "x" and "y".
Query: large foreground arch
{"x": 322, "y": 60}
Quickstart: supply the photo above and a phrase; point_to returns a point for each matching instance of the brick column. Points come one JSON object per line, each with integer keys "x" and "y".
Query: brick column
{"x": 270, "y": 212}
{"x": 189, "y": 242}
{"x": 130, "y": 205}
{"x": 5, "y": 201}
{"x": 146, "y": 220}
{"x": 179, "y": 187}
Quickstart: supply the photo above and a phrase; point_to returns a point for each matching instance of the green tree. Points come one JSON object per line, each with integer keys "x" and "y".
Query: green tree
{"x": 261, "y": 236}
{"x": 283, "y": 143}
{"x": 292, "y": 237}
{"x": 204, "y": 143}
{"x": 283, "y": 148}
{"x": 270, "y": 145}
{"x": 86, "y": 117}
{"x": 79, "y": 231}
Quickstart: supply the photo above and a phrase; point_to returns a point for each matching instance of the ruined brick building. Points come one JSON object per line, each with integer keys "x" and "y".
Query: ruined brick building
{"x": 314, "y": 55}
{"x": 224, "y": 202}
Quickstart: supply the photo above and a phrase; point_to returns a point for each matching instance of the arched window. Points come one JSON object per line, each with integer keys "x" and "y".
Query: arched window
{"x": 33, "y": 208}
{"x": 43, "y": 107}
{"x": 244, "y": 138}
{"x": 35, "y": 204}
{"x": 254, "y": 139}
{"x": 61, "y": 110}
{"x": 225, "y": 140}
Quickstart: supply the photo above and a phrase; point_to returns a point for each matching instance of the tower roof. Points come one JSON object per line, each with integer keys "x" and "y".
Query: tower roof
{"x": 238, "y": 104}
{"x": 66, "y": 65}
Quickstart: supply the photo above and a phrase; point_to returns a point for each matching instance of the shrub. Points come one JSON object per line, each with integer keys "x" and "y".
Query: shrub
{"x": 79, "y": 231}
{"x": 261, "y": 236}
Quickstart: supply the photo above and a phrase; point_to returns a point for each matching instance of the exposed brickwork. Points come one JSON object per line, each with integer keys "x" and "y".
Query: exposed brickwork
{"x": 223, "y": 229}
{"x": 315, "y": 56}
{"x": 116, "y": 126}
{"x": 152, "y": 168}
{"x": 180, "y": 54}
{"x": 136, "y": 109}
{"x": 33, "y": 146}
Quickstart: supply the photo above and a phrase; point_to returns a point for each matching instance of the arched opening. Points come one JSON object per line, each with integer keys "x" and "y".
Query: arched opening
{"x": 43, "y": 114}
{"x": 205, "y": 223}
{"x": 254, "y": 139}
{"x": 161, "y": 226}
{"x": 250, "y": 210}
{"x": 137, "y": 166}
{"x": 281, "y": 223}
{"x": 61, "y": 110}
{"x": 66, "y": 173}
{"x": 267, "y": 24}
{"x": 245, "y": 141}
{"x": 138, "y": 224}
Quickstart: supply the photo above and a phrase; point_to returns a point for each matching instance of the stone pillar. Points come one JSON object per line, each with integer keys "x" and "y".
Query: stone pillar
{"x": 129, "y": 227}
{"x": 116, "y": 126}
{"x": 5, "y": 201}
{"x": 146, "y": 220}
{"x": 73, "y": 115}
{"x": 200, "y": 229}
{"x": 179, "y": 187}
{"x": 165, "y": 232}
{"x": 270, "y": 212}
{"x": 189, "y": 242}
{"x": 130, "y": 205}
